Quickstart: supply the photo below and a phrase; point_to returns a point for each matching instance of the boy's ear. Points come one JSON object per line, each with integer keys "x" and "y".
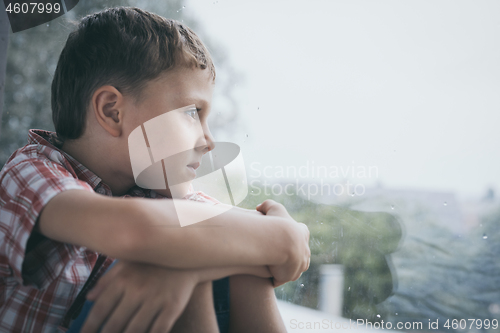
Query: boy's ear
{"x": 107, "y": 104}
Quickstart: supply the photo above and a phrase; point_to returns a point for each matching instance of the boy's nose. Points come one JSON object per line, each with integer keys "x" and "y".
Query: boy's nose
{"x": 210, "y": 141}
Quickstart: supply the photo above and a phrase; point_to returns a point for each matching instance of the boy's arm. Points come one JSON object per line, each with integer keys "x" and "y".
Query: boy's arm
{"x": 114, "y": 298}
{"x": 148, "y": 231}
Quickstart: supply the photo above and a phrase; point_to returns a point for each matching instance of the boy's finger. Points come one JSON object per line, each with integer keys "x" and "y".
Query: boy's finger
{"x": 98, "y": 288}
{"x": 165, "y": 320}
{"x": 103, "y": 282}
{"x": 260, "y": 208}
{"x": 276, "y": 283}
{"x": 101, "y": 310}
{"x": 143, "y": 319}
{"x": 122, "y": 314}
{"x": 265, "y": 206}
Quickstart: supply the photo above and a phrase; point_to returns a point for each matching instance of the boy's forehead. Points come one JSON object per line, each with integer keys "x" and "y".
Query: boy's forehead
{"x": 187, "y": 76}
{"x": 192, "y": 85}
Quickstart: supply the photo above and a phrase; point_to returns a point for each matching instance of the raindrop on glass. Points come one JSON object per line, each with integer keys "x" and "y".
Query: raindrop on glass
{"x": 484, "y": 236}
{"x": 445, "y": 203}
{"x": 301, "y": 285}
{"x": 247, "y": 135}
{"x": 396, "y": 313}
{"x": 378, "y": 316}
{"x": 392, "y": 206}
{"x": 352, "y": 194}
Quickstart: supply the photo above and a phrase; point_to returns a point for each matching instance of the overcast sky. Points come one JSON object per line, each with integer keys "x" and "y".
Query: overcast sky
{"x": 411, "y": 87}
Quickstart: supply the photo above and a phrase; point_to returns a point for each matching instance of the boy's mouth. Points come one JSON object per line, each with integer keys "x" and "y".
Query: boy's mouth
{"x": 194, "y": 165}
{"x": 192, "y": 168}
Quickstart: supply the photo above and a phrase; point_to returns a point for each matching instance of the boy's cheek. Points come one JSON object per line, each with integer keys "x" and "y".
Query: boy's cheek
{"x": 172, "y": 133}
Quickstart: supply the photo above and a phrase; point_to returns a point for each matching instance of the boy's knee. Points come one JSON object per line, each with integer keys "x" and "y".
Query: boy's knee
{"x": 251, "y": 283}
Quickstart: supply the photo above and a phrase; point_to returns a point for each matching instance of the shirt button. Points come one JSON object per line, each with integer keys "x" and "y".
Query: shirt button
{"x": 100, "y": 190}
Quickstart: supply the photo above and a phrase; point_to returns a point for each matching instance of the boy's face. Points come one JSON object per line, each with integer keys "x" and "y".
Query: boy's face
{"x": 176, "y": 131}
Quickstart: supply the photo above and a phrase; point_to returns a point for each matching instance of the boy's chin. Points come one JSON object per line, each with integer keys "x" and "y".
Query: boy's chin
{"x": 165, "y": 193}
{"x": 176, "y": 192}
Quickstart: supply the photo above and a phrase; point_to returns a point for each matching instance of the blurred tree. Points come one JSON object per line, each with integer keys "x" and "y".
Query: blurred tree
{"x": 32, "y": 59}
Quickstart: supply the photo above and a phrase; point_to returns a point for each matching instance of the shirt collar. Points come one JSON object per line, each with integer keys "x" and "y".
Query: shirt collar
{"x": 49, "y": 139}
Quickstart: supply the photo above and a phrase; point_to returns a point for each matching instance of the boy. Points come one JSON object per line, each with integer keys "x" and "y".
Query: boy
{"x": 119, "y": 69}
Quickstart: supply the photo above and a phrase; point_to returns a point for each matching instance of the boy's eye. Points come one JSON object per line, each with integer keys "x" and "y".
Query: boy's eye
{"x": 192, "y": 113}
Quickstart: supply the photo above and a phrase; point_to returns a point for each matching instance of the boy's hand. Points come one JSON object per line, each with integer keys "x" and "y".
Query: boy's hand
{"x": 273, "y": 208}
{"x": 300, "y": 254}
{"x": 134, "y": 297}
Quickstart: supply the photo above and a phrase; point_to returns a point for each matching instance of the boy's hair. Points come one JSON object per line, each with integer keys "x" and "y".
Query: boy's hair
{"x": 124, "y": 47}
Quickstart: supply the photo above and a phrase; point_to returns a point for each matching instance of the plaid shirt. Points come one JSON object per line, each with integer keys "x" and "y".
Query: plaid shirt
{"x": 40, "y": 278}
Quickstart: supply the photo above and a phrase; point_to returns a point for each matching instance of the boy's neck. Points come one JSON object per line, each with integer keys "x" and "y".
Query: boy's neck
{"x": 101, "y": 163}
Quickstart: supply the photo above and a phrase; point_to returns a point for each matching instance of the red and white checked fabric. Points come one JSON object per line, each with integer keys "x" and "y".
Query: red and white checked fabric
{"x": 40, "y": 278}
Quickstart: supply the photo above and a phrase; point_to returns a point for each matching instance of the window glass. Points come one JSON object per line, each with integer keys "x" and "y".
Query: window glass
{"x": 373, "y": 122}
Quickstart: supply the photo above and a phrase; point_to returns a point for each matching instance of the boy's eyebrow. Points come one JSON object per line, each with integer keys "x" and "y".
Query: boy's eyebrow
{"x": 197, "y": 101}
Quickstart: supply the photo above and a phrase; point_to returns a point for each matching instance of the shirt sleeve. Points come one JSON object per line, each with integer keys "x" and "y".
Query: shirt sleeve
{"x": 27, "y": 187}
